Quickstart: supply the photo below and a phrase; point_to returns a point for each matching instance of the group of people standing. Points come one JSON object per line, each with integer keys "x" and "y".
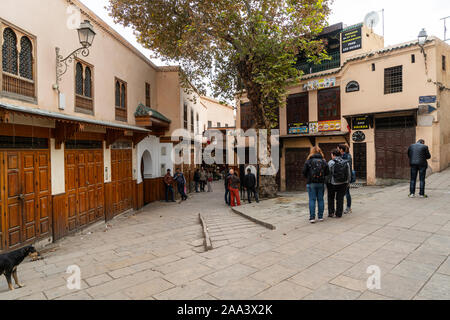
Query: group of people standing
{"x": 232, "y": 184}
{"x": 336, "y": 175}
{"x": 181, "y": 185}
{"x": 203, "y": 178}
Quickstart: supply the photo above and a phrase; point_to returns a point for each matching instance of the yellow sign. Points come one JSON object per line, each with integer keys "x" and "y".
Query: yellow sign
{"x": 334, "y": 125}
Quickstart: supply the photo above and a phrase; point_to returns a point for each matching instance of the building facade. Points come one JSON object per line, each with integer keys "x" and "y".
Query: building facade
{"x": 81, "y": 141}
{"x": 377, "y": 99}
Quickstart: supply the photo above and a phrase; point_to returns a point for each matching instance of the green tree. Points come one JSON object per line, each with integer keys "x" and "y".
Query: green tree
{"x": 241, "y": 46}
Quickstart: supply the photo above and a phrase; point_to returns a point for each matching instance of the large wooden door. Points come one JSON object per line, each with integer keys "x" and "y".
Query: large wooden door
{"x": 121, "y": 180}
{"x": 84, "y": 187}
{"x": 393, "y": 136}
{"x": 360, "y": 160}
{"x": 26, "y": 197}
{"x": 295, "y": 160}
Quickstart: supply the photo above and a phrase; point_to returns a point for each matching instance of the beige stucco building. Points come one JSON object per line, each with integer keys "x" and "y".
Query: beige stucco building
{"x": 377, "y": 99}
{"x": 85, "y": 138}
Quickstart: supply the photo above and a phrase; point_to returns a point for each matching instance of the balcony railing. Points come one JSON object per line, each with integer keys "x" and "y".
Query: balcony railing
{"x": 309, "y": 67}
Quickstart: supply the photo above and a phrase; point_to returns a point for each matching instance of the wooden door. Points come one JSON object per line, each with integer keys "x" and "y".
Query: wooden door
{"x": 327, "y": 148}
{"x": 84, "y": 187}
{"x": 26, "y": 197}
{"x": 295, "y": 160}
{"x": 391, "y": 145}
{"x": 360, "y": 160}
{"x": 121, "y": 180}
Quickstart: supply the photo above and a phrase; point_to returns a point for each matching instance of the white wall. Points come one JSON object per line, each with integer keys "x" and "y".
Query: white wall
{"x": 57, "y": 168}
{"x": 153, "y": 146}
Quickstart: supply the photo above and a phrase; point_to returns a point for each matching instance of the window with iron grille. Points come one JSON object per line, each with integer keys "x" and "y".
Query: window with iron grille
{"x": 192, "y": 121}
{"x": 393, "y": 80}
{"x": 84, "y": 101}
{"x": 26, "y": 58}
{"x": 147, "y": 95}
{"x": 121, "y": 99}
{"x": 329, "y": 104}
{"x": 444, "y": 63}
{"x": 297, "y": 109}
{"x": 9, "y": 51}
{"x": 185, "y": 116}
{"x": 17, "y": 66}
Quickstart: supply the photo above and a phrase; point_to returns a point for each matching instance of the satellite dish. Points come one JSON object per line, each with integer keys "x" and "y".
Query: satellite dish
{"x": 372, "y": 19}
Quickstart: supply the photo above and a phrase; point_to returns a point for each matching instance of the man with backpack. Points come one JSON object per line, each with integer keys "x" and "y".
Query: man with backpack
{"x": 181, "y": 183}
{"x": 418, "y": 155}
{"x": 315, "y": 171}
{"x": 345, "y": 152}
{"x": 339, "y": 178}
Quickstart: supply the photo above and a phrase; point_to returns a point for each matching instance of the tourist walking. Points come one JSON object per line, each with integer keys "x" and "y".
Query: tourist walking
{"x": 345, "y": 152}
{"x": 418, "y": 155}
{"x": 234, "y": 182}
{"x": 202, "y": 180}
{"x": 181, "y": 183}
{"x": 315, "y": 170}
{"x": 339, "y": 178}
{"x": 227, "y": 187}
{"x": 168, "y": 183}
{"x": 209, "y": 177}
{"x": 196, "y": 179}
{"x": 250, "y": 184}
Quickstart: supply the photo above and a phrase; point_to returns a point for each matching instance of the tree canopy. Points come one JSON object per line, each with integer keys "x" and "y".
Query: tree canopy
{"x": 238, "y": 45}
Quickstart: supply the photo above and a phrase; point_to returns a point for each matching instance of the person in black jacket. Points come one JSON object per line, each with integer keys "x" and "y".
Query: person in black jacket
{"x": 250, "y": 185}
{"x": 227, "y": 189}
{"x": 418, "y": 155}
{"x": 315, "y": 171}
{"x": 197, "y": 179}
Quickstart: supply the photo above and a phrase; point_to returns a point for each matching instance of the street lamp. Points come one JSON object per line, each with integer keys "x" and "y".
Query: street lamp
{"x": 422, "y": 38}
{"x": 86, "y": 35}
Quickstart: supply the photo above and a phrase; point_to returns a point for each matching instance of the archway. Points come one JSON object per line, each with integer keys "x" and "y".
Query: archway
{"x": 146, "y": 175}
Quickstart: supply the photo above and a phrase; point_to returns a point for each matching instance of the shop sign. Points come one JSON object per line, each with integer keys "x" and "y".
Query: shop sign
{"x": 427, "y": 99}
{"x": 320, "y": 84}
{"x": 351, "y": 40}
{"x": 334, "y": 125}
{"x": 298, "y": 128}
{"x": 361, "y": 123}
{"x": 313, "y": 127}
{"x": 352, "y": 86}
{"x": 358, "y": 136}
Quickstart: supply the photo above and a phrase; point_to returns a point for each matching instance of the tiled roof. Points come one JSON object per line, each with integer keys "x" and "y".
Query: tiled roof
{"x": 147, "y": 111}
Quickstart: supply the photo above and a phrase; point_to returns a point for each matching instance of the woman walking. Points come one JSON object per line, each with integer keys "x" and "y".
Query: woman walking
{"x": 315, "y": 171}
{"x": 209, "y": 177}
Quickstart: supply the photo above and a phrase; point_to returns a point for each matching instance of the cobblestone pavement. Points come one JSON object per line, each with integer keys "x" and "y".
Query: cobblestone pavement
{"x": 158, "y": 252}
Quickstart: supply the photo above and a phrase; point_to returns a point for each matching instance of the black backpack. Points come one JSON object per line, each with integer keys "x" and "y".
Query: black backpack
{"x": 317, "y": 171}
{"x": 340, "y": 170}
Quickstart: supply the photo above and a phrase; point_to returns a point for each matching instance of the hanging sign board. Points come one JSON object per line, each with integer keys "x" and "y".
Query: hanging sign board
{"x": 427, "y": 99}
{"x": 298, "y": 128}
{"x": 313, "y": 127}
{"x": 320, "y": 84}
{"x": 334, "y": 125}
{"x": 351, "y": 40}
{"x": 361, "y": 123}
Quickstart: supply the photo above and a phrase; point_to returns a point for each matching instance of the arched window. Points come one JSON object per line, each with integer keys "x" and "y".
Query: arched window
{"x": 122, "y": 97}
{"x": 79, "y": 79}
{"x": 9, "y": 51}
{"x": 117, "y": 94}
{"x": 26, "y": 58}
{"x": 87, "y": 83}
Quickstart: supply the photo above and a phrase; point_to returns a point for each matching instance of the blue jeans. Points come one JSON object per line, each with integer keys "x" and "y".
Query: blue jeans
{"x": 315, "y": 193}
{"x": 169, "y": 190}
{"x": 349, "y": 197}
{"x": 422, "y": 171}
{"x": 227, "y": 196}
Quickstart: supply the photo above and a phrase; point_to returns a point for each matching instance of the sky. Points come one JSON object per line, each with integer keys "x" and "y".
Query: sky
{"x": 403, "y": 19}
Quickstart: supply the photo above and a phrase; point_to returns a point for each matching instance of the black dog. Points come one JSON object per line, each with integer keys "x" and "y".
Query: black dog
{"x": 9, "y": 262}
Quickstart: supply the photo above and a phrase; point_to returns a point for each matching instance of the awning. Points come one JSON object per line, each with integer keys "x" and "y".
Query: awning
{"x": 68, "y": 118}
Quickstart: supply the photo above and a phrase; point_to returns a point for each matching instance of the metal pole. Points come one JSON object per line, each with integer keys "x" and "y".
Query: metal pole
{"x": 382, "y": 13}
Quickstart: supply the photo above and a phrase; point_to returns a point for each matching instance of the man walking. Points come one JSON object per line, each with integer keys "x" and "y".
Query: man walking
{"x": 233, "y": 182}
{"x": 345, "y": 153}
{"x": 202, "y": 180}
{"x": 250, "y": 185}
{"x": 227, "y": 187}
{"x": 340, "y": 178}
{"x": 418, "y": 155}
{"x": 181, "y": 182}
{"x": 196, "y": 179}
{"x": 168, "y": 182}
